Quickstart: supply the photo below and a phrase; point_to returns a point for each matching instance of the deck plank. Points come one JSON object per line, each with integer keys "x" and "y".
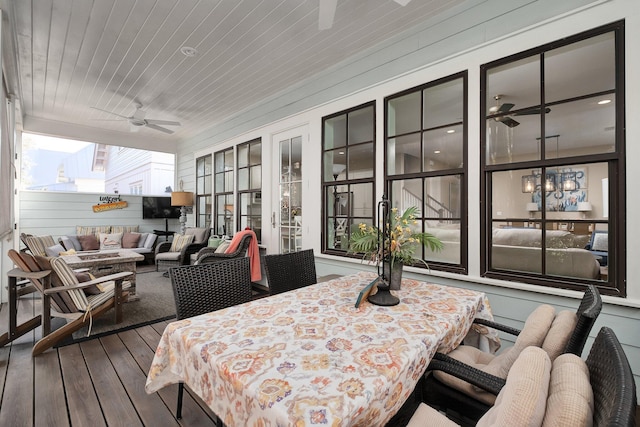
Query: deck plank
{"x": 50, "y": 405}
{"x": 194, "y": 411}
{"x": 17, "y": 399}
{"x": 116, "y": 405}
{"x": 82, "y": 400}
{"x": 148, "y": 406}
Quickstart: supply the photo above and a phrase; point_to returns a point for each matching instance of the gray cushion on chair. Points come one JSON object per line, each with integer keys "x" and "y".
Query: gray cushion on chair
{"x": 200, "y": 234}
{"x": 168, "y": 256}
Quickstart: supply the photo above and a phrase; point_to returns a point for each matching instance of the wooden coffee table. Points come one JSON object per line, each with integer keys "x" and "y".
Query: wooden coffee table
{"x": 105, "y": 262}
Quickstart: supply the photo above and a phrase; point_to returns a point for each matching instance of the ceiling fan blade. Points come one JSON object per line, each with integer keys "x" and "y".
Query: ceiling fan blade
{"x": 161, "y": 129}
{"x": 110, "y": 112}
{"x": 326, "y": 13}
{"x": 402, "y": 2}
{"x": 504, "y": 107}
{"x": 509, "y": 122}
{"x": 162, "y": 122}
{"x": 532, "y": 111}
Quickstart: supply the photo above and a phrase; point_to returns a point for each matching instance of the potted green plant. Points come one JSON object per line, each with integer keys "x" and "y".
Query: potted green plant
{"x": 400, "y": 245}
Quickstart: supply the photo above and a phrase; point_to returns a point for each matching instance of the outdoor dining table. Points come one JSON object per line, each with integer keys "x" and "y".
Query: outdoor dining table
{"x": 309, "y": 357}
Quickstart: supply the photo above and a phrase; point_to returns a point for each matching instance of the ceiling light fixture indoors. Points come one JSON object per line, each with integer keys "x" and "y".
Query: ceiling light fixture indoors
{"x": 604, "y": 101}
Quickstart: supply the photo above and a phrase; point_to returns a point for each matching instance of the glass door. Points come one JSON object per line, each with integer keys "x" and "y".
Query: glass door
{"x": 287, "y": 217}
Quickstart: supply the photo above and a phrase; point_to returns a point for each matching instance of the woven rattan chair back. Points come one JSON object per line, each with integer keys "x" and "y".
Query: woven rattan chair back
{"x": 208, "y": 255}
{"x": 611, "y": 378}
{"x": 204, "y": 288}
{"x": 587, "y": 313}
{"x": 289, "y": 271}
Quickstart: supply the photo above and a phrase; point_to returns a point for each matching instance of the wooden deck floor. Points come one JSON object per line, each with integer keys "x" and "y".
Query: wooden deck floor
{"x": 95, "y": 383}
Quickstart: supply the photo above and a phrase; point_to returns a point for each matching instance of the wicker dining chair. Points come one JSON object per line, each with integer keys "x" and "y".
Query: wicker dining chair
{"x": 289, "y": 271}
{"x": 449, "y": 398}
{"x": 204, "y": 288}
{"x": 568, "y": 402}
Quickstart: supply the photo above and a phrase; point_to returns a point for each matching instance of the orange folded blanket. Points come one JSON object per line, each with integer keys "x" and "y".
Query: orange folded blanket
{"x": 253, "y": 252}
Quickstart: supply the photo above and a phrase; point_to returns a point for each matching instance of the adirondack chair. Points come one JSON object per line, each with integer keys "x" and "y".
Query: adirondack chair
{"x": 62, "y": 296}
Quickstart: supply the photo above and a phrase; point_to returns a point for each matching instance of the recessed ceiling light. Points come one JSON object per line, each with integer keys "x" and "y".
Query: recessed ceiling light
{"x": 436, "y": 152}
{"x": 451, "y": 131}
{"x": 188, "y": 51}
{"x": 604, "y": 101}
{"x": 340, "y": 152}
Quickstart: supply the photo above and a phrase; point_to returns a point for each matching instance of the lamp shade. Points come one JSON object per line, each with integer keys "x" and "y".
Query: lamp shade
{"x": 584, "y": 207}
{"x": 181, "y": 198}
{"x": 532, "y": 207}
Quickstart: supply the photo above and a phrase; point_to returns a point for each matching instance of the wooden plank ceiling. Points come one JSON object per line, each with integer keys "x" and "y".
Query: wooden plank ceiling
{"x": 73, "y": 55}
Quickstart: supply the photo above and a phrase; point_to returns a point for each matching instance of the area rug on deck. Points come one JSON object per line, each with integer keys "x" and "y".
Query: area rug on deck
{"x": 156, "y": 304}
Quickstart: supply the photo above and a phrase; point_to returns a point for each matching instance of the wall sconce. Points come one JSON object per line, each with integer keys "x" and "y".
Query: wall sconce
{"x": 550, "y": 182}
{"x": 182, "y": 199}
{"x": 528, "y": 183}
{"x": 584, "y": 207}
{"x": 569, "y": 181}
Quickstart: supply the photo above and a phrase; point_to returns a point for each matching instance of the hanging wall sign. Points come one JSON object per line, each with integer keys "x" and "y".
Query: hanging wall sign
{"x": 108, "y": 203}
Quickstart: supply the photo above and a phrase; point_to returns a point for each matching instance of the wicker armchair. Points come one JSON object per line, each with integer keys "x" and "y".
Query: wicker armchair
{"x": 209, "y": 255}
{"x": 448, "y": 398}
{"x": 166, "y": 259}
{"x": 200, "y": 289}
{"x": 289, "y": 271}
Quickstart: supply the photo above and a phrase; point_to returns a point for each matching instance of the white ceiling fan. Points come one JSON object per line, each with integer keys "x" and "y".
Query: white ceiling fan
{"x": 137, "y": 120}
{"x": 327, "y": 11}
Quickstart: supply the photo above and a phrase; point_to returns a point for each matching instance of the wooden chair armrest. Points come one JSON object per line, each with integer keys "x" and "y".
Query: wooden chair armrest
{"x": 117, "y": 277}
{"x": 476, "y": 377}
{"x": 16, "y": 272}
{"x": 498, "y": 326}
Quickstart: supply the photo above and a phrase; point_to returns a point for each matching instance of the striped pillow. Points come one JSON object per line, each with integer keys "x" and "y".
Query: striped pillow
{"x": 85, "y": 231}
{"x": 125, "y": 229}
{"x": 68, "y": 278}
{"x": 180, "y": 242}
{"x": 38, "y": 244}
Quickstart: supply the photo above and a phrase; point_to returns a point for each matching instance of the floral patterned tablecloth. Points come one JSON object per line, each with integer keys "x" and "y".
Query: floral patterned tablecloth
{"x": 309, "y": 357}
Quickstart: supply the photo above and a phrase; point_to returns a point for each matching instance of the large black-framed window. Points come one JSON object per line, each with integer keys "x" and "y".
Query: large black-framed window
{"x": 348, "y": 177}
{"x": 249, "y": 155}
{"x": 553, "y": 163}
{"x": 203, "y": 191}
{"x": 426, "y": 164}
{"x": 224, "y": 207}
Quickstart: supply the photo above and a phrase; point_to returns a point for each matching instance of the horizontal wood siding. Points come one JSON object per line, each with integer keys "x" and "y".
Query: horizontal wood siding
{"x": 57, "y": 213}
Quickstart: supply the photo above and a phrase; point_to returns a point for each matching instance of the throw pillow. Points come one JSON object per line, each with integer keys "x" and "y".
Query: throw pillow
{"x": 110, "y": 241}
{"x": 223, "y": 247}
{"x": 89, "y": 242}
{"x": 130, "y": 240}
{"x": 85, "y": 277}
{"x": 54, "y": 250}
{"x": 151, "y": 239}
{"x": 180, "y": 242}
{"x": 143, "y": 239}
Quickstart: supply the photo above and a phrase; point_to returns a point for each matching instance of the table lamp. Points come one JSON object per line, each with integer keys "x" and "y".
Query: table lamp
{"x": 182, "y": 199}
{"x": 584, "y": 207}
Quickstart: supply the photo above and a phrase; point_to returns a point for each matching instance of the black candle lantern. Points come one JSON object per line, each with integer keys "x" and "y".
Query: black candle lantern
{"x": 383, "y": 296}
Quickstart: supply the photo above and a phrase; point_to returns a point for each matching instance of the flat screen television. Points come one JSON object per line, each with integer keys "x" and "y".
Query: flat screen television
{"x": 159, "y": 208}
